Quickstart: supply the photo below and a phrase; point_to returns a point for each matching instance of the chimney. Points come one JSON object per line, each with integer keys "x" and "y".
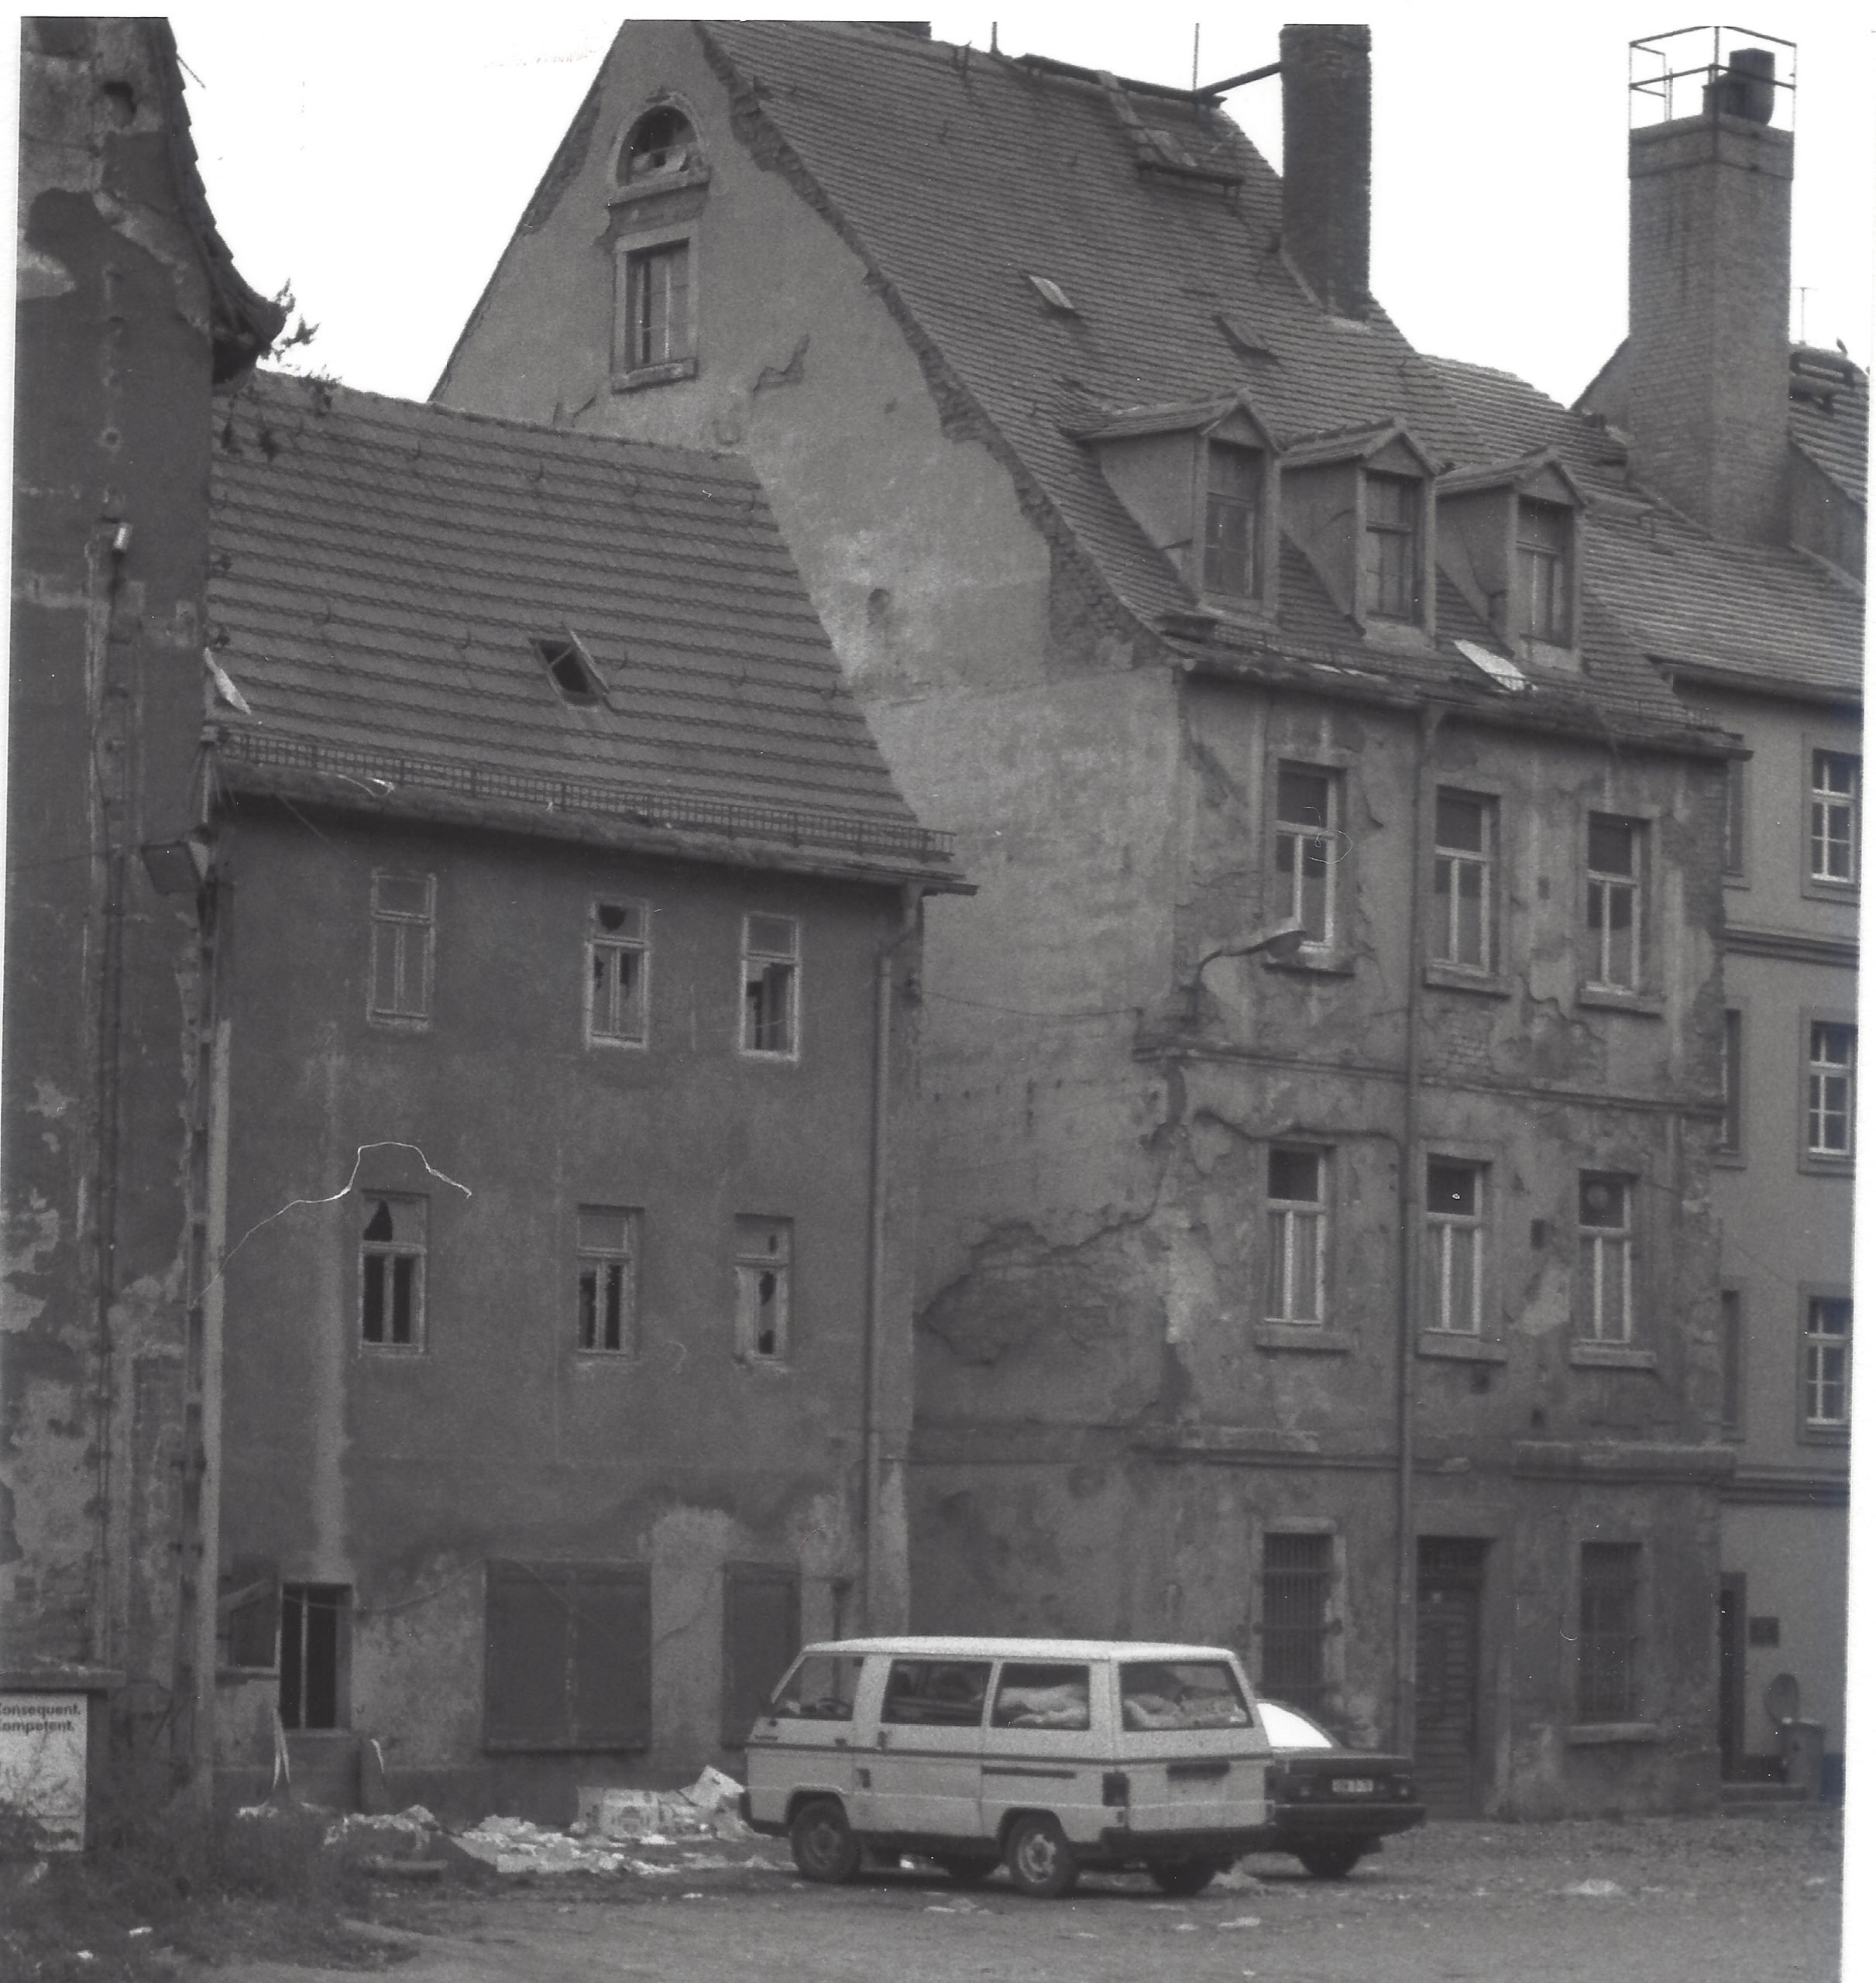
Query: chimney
{"x": 1325, "y": 162}
{"x": 1704, "y": 388}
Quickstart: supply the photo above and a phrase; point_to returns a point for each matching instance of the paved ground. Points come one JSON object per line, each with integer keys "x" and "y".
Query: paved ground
{"x": 1700, "y": 1900}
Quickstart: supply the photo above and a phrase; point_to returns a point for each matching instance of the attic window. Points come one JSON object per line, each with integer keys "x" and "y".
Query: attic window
{"x": 1544, "y": 533}
{"x": 1234, "y": 477}
{"x": 1390, "y": 548}
{"x": 1505, "y": 674}
{"x": 661, "y": 143}
{"x": 571, "y": 668}
{"x": 1054, "y": 295}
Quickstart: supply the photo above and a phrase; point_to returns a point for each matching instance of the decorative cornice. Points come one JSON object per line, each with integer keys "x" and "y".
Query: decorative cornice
{"x": 1623, "y": 1462}
{"x": 1794, "y": 945}
{"x": 1763, "y": 1486}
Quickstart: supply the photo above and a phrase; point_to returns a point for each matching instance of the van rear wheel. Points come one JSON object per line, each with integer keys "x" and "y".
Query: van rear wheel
{"x": 1184, "y": 1877}
{"x": 823, "y": 1842}
{"x": 1038, "y": 1856}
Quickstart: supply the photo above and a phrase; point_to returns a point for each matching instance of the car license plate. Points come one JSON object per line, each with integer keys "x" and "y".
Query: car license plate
{"x": 1352, "y": 1786}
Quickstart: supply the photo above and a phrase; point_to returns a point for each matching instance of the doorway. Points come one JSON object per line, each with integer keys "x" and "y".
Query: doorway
{"x": 313, "y": 1645}
{"x": 1449, "y": 1604}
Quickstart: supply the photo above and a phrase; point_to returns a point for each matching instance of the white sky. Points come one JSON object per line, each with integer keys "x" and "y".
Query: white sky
{"x": 378, "y": 159}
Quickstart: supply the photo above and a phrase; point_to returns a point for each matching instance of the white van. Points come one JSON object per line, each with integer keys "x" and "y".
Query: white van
{"x": 1047, "y": 1756}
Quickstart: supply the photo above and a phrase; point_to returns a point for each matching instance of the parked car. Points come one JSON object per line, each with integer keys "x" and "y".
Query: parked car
{"x": 1331, "y": 1804}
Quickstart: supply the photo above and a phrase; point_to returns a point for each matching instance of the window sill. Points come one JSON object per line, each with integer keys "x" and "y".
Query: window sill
{"x": 1819, "y": 890}
{"x": 1614, "y": 999}
{"x": 1462, "y": 1348}
{"x": 1611, "y": 1356}
{"x": 778, "y": 1366}
{"x": 1302, "y": 1335}
{"x": 248, "y": 1673}
{"x": 398, "y": 1022}
{"x": 1824, "y": 1435}
{"x": 1818, "y": 1165}
{"x": 1315, "y": 960}
{"x": 1735, "y": 881}
{"x": 767, "y": 1059}
{"x": 1588, "y": 1735}
{"x": 655, "y": 375}
{"x": 609, "y": 1042}
{"x": 1456, "y": 977}
{"x": 1728, "y": 1160}
{"x": 391, "y": 1353}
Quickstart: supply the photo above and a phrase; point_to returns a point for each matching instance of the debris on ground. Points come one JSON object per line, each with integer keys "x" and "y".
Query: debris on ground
{"x": 514, "y": 1845}
{"x": 656, "y": 1817}
{"x": 1595, "y": 1889}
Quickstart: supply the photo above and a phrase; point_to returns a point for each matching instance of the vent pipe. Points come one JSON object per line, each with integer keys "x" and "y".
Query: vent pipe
{"x": 1326, "y": 158}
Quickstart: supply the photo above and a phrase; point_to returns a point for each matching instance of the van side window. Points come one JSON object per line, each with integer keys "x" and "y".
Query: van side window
{"x": 821, "y": 1687}
{"x": 1193, "y": 1693}
{"x": 949, "y": 1692}
{"x": 1036, "y": 1696}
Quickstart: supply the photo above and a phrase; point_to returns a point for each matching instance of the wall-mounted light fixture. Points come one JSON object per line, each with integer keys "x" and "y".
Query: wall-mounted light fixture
{"x": 1275, "y": 939}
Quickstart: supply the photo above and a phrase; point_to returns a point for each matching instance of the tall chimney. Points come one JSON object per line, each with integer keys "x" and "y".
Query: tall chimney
{"x": 1705, "y": 393}
{"x": 1325, "y": 162}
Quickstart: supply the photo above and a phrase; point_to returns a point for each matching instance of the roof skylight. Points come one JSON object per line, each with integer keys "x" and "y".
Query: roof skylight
{"x": 1506, "y": 675}
{"x": 1054, "y": 295}
{"x": 570, "y": 668}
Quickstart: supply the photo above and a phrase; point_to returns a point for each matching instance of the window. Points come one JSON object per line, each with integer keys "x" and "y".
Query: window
{"x": 1608, "y": 1642}
{"x": 1830, "y": 1099}
{"x": 1298, "y": 1574}
{"x": 1232, "y": 475}
{"x": 1543, "y": 572}
{"x": 608, "y": 1280}
{"x": 617, "y": 954}
{"x": 1181, "y": 1693}
{"x": 1298, "y": 1232}
{"x": 315, "y": 1641}
{"x": 1836, "y": 805}
{"x": 1826, "y": 1363}
{"x": 1455, "y": 1244}
{"x": 1731, "y": 1069}
{"x": 391, "y": 1272}
{"x": 569, "y": 667}
{"x": 248, "y": 1615}
{"x": 1605, "y": 1258}
{"x": 761, "y": 1634}
{"x": 1731, "y": 1367}
{"x": 1734, "y": 861}
{"x": 948, "y": 1693}
{"x": 660, "y": 143}
{"x": 764, "y": 1248}
{"x": 1390, "y": 578}
{"x": 1462, "y": 855}
{"x": 567, "y": 1656}
{"x": 402, "y": 941}
{"x": 1035, "y": 1695}
{"x": 771, "y": 968}
{"x": 1306, "y": 818}
{"x": 658, "y": 327}
{"x": 1615, "y": 902}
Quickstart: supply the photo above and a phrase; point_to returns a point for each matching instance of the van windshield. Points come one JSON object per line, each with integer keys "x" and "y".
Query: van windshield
{"x": 1190, "y": 1693}
{"x": 819, "y": 1687}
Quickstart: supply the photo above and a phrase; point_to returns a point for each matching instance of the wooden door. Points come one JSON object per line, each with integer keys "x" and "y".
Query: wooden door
{"x": 1446, "y": 1671}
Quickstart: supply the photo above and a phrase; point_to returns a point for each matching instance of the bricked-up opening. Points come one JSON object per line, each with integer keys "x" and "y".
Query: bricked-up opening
{"x": 1326, "y": 158}
{"x": 315, "y": 1621}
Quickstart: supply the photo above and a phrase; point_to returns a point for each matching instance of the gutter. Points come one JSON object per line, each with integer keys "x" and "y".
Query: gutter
{"x": 910, "y": 922}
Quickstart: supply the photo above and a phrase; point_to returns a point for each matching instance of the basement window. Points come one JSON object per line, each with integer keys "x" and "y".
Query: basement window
{"x": 1054, "y": 295}
{"x": 570, "y": 668}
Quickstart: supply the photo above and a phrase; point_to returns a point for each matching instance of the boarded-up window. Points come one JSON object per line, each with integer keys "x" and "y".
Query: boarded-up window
{"x": 568, "y": 1657}
{"x": 762, "y": 1634}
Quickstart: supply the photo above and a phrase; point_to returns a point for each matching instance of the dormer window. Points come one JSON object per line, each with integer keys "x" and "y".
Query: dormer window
{"x": 1390, "y": 548}
{"x": 1543, "y": 533}
{"x": 1234, "y": 481}
{"x": 661, "y": 143}
{"x": 570, "y": 669}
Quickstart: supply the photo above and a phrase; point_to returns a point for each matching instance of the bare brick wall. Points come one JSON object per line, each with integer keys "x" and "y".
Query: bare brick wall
{"x": 1326, "y": 152}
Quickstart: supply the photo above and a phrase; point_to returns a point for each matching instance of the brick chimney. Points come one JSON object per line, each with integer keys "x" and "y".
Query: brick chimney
{"x": 1325, "y": 162}
{"x": 1704, "y": 383}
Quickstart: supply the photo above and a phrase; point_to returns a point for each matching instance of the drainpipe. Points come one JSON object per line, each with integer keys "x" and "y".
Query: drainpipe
{"x": 872, "y": 1356}
{"x": 1410, "y": 1237}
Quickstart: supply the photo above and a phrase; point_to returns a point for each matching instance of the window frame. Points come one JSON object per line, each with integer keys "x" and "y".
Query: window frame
{"x": 748, "y": 952}
{"x": 336, "y": 1602}
{"x": 1322, "y": 1636}
{"x": 1489, "y": 864}
{"x": 1562, "y": 564}
{"x": 1729, "y": 1136}
{"x": 625, "y": 1256}
{"x": 1437, "y": 1242}
{"x": 1623, "y": 1572}
{"x": 1594, "y": 980}
{"x": 749, "y": 1258}
{"x": 1735, "y": 863}
{"x": 1289, "y": 1211}
{"x": 632, "y": 252}
{"x": 1411, "y": 539}
{"x": 394, "y": 1250}
{"x": 1813, "y": 1344}
{"x": 390, "y": 926}
{"x": 1831, "y": 886}
{"x": 598, "y": 940}
{"x": 1813, "y": 1156}
{"x": 1251, "y": 512}
{"x": 1287, "y": 892}
{"x": 1591, "y": 1242}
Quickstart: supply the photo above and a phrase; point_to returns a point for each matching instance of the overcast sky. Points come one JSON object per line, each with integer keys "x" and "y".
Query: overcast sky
{"x": 377, "y": 159}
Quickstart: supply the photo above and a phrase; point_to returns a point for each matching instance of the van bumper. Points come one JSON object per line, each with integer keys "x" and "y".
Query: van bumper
{"x": 1117, "y": 1841}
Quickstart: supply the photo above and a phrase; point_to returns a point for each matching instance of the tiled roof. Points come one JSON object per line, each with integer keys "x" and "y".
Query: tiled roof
{"x": 1830, "y": 417}
{"x": 380, "y": 570}
{"x": 958, "y": 176}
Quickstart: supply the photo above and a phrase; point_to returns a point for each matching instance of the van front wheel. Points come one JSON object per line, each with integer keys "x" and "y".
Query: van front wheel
{"x": 823, "y": 1842}
{"x": 1038, "y": 1856}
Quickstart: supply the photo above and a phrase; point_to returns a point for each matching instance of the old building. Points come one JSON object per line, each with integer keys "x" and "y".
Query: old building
{"x": 130, "y": 309}
{"x": 565, "y": 931}
{"x": 1318, "y": 1249}
{"x": 1757, "y": 620}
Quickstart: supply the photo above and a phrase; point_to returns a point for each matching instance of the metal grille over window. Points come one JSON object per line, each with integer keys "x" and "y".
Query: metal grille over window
{"x": 608, "y": 1291}
{"x": 392, "y": 1248}
{"x": 1462, "y": 834}
{"x": 1298, "y": 1230}
{"x": 1389, "y": 548}
{"x": 1614, "y": 902}
{"x": 402, "y": 937}
{"x": 1836, "y": 806}
{"x": 1298, "y": 1576}
{"x": 1830, "y": 1100}
{"x": 1543, "y": 572}
{"x": 1456, "y": 1242}
{"x": 1826, "y": 1362}
{"x": 1305, "y": 850}
{"x": 617, "y": 955}
{"x": 1604, "y": 1262}
{"x": 1609, "y": 1643}
{"x": 771, "y": 968}
{"x": 658, "y": 305}
{"x": 1232, "y": 475}
{"x": 765, "y": 1250}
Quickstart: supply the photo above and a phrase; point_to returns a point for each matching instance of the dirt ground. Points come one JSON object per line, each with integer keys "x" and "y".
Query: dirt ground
{"x": 1687, "y": 1900}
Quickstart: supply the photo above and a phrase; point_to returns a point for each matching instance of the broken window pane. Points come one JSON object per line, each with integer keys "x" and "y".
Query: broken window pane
{"x": 607, "y": 1302}
{"x": 391, "y": 1272}
{"x": 1232, "y": 475}
{"x": 617, "y": 961}
{"x": 769, "y": 982}
{"x": 1306, "y": 846}
{"x": 764, "y": 1252}
{"x": 1297, "y": 1226}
